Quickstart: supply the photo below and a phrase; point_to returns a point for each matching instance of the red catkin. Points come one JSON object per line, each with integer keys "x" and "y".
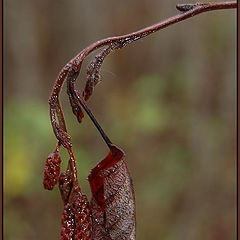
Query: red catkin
{"x": 83, "y": 225}
{"x": 67, "y": 227}
{"x": 76, "y": 219}
{"x": 51, "y": 171}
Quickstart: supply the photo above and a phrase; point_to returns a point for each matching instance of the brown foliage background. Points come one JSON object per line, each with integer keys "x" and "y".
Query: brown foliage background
{"x": 167, "y": 100}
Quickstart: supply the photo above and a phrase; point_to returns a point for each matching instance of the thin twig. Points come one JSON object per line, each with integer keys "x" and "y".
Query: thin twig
{"x": 78, "y": 101}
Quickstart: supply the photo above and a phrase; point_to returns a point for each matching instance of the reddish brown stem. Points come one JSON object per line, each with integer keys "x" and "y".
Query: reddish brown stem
{"x": 188, "y": 11}
{"x": 73, "y": 167}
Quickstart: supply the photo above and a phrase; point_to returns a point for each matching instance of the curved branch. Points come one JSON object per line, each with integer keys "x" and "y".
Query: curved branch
{"x": 113, "y": 43}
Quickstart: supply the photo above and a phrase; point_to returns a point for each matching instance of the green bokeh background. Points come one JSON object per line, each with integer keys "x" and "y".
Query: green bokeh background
{"x": 167, "y": 100}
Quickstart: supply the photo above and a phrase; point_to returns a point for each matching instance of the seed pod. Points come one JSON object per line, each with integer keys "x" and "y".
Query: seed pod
{"x": 93, "y": 72}
{"x": 51, "y": 171}
{"x": 83, "y": 224}
{"x": 76, "y": 108}
{"x": 67, "y": 227}
{"x": 76, "y": 219}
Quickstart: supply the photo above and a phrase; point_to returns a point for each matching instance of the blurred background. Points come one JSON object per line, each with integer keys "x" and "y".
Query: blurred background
{"x": 168, "y": 101}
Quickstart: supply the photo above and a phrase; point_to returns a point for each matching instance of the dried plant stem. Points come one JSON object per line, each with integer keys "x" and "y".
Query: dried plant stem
{"x": 74, "y": 201}
{"x": 71, "y": 70}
